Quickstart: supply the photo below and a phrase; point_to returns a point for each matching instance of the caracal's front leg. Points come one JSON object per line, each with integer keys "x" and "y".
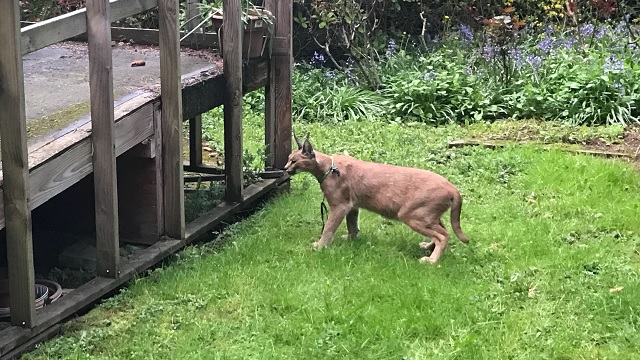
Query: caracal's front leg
{"x": 336, "y": 215}
{"x": 352, "y": 223}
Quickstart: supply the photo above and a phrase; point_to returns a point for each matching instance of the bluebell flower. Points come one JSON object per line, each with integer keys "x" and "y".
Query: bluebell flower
{"x": 429, "y": 76}
{"x": 466, "y": 34}
{"x": 517, "y": 56}
{"x": 613, "y": 64}
{"x": 586, "y": 30}
{"x": 621, "y": 28}
{"x": 549, "y": 30}
{"x": 330, "y": 74}
{"x": 534, "y": 60}
{"x": 350, "y": 75}
{"x": 489, "y": 52}
{"x": 391, "y": 48}
{"x": 546, "y": 44}
{"x": 468, "y": 70}
{"x": 600, "y": 33}
{"x": 619, "y": 87}
{"x": 317, "y": 58}
{"x": 568, "y": 44}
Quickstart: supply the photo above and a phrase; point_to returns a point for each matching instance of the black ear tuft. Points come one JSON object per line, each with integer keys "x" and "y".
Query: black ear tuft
{"x": 297, "y": 140}
{"x": 307, "y": 149}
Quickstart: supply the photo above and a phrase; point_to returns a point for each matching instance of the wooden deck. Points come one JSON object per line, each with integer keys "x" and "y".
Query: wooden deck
{"x": 140, "y": 200}
{"x": 62, "y": 158}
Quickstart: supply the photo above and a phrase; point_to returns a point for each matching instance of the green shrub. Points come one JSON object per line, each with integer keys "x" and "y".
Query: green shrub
{"x": 585, "y": 75}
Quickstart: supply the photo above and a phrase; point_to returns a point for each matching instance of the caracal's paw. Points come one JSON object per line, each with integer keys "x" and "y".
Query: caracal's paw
{"x": 427, "y": 260}
{"x": 317, "y": 245}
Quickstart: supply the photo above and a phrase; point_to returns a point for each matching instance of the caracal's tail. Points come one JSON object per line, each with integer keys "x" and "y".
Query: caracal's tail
{"x": 456, "y": 208}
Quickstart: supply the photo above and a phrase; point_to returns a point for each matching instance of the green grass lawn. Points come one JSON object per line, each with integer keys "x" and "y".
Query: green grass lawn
{"x": 552, "y": 269}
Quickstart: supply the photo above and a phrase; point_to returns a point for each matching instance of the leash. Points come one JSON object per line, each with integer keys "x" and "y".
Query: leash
{"x": 323, "y": 205}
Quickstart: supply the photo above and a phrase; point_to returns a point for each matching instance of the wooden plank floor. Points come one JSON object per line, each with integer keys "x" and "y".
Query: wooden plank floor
{"x": 59, "y": 159}
{"x": 56, "y": 77}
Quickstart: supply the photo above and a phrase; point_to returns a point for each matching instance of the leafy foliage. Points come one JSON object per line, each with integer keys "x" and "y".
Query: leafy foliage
{"x": 583, "y": 75}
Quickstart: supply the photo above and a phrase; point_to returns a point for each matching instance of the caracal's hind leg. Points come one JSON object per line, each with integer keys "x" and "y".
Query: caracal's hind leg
{"x": 430, "y": 245}
{"x": 352, "y": 223}
{"x": 439, "y": 236}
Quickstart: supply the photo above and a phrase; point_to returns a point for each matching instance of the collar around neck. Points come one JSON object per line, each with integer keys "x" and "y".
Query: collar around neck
{"x": 331, "y": 169}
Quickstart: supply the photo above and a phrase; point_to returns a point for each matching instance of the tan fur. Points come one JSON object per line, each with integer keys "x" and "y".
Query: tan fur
{"x": 414, "y": 196}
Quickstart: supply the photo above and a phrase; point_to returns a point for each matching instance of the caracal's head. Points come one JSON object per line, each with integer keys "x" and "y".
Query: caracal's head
{"x": 303, "y": 159}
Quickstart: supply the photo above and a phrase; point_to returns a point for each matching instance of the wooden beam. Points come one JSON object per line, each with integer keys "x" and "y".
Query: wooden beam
{"x": 103, "y": 136}
{"x": 283, "y": 70}
{"x": 60, "y": 28}
{"x": 152, "y": 37}
{"x": 195, "y": 140}
{"x": 202, "y": 96}
{"x": 198, "y": 178}
{"x": 15, "y": 169}
{"x": 270, "y": 104}
{"x": 204, "y": 169}
{"x": 171, "y": 97}
{"x": 232, "y": 65}
{"x": 193, "y": 15}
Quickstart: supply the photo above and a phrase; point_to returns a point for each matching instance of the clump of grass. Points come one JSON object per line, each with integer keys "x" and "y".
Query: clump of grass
{"x": 552, "y": 269}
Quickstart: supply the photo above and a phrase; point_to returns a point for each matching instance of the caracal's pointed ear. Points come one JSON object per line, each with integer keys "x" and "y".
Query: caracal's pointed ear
{"x": 307, "y": 148}
{"x": 297, "y": 140}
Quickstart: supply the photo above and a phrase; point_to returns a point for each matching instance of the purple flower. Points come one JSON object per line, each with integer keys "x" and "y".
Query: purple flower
{"x": 517, "y": 56}
{"x": 429, "y": 76}
{"x": 466, "y": 34}
{"x": 549, "y": 30}
{"x": 613, "y": 64}
{"x": 619, "y": 87}
{"x": 330, "y": 74}
{"x": 350, "y": 75}
{"x": 621, "y": 28}
{"x": 568, "y": 44}
{"x": 489, "y": 52}
{"x": 600, "y": 33}
{"x": 534, "y": 60}
{"x": 546, "y": 44}
{"x": 317, "y": 58}
{"x": 586, "y": 30}
{"x": 391, "y": 48}
{"x": 468, "y": 70}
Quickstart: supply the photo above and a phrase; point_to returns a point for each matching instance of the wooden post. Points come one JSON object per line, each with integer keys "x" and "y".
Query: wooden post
{"x": 270, "y": 103}
{"x": 171, "y": 118}
{"x": 15, "y": 168}
{"x": 193, "y": 14}
{"x": 232, "y": 65}
{"x": 195, "y": 141}
{"x": 103, "y": 137}
{"x": 279, "y": 97}
{"x": 270, "y": 118}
